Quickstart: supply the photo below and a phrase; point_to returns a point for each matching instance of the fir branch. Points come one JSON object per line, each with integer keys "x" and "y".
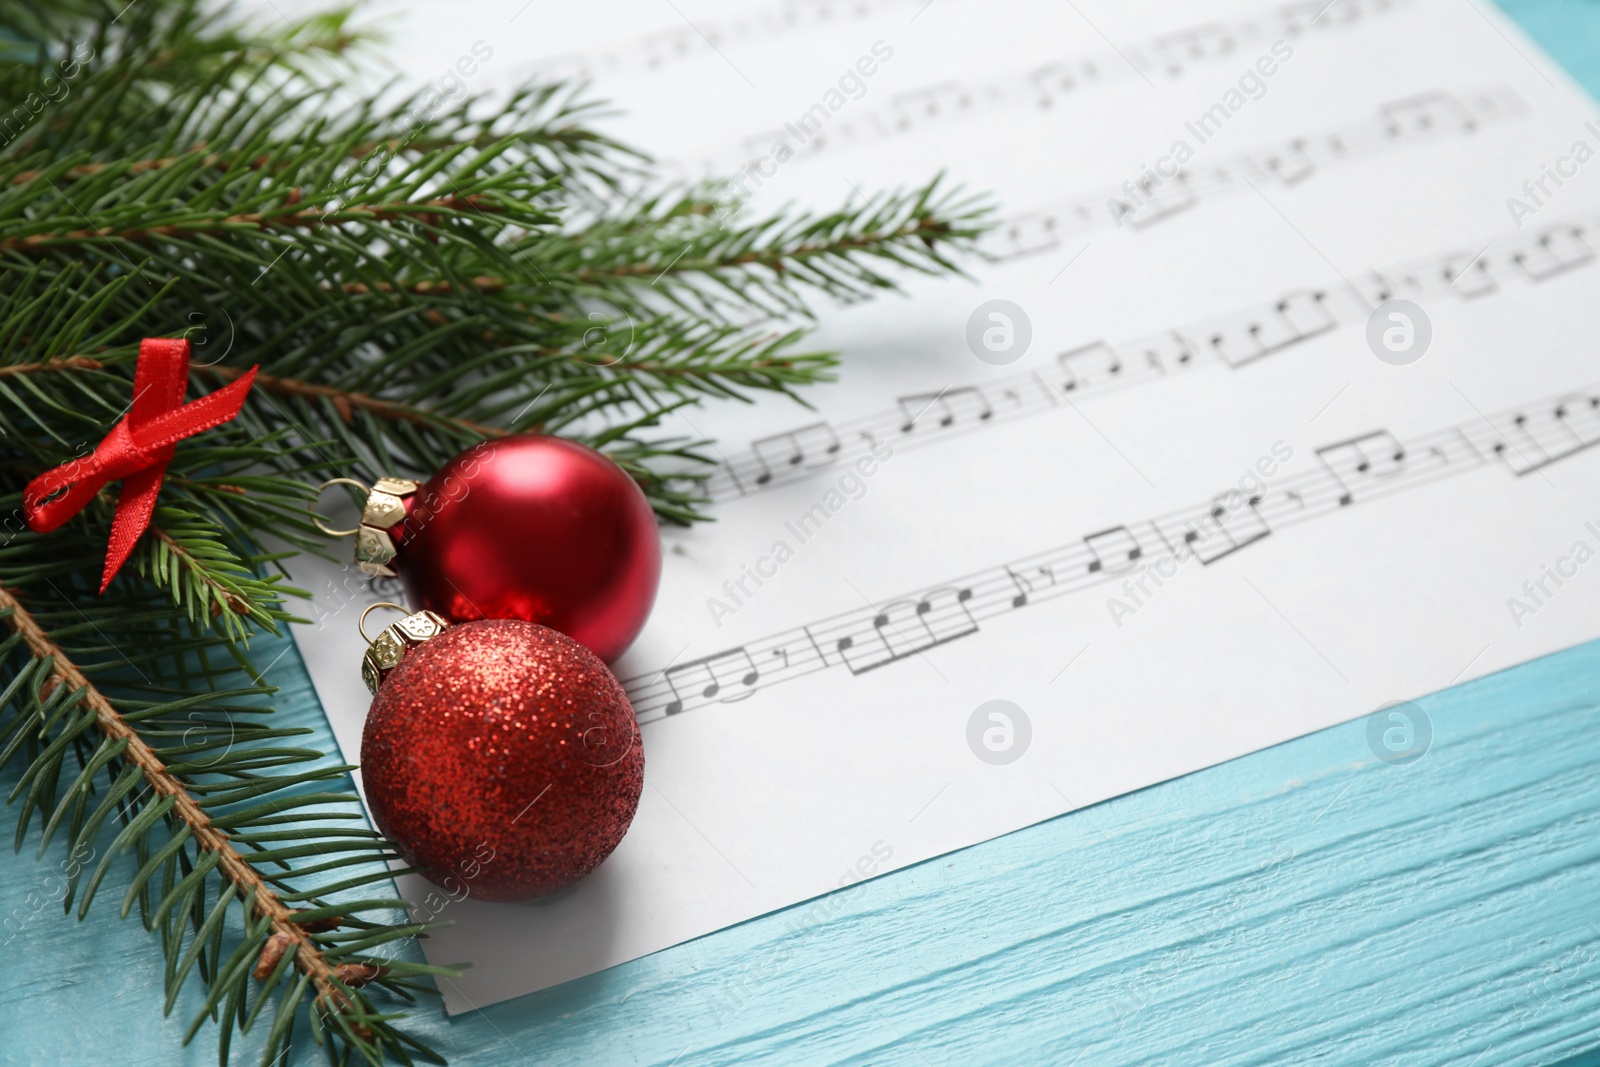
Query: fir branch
{"x": 287, "y": 218}
{"x": 280, "y": 935}
{"x": 411, "y": 276}
{"x": 228, "y": 162}
{"x": 50, "y": 366}
{"x": 347, "y": 402}
{"x": 187, "y": 556}
{"x": 137, "y": 753}
{"x": 779, "y": 258}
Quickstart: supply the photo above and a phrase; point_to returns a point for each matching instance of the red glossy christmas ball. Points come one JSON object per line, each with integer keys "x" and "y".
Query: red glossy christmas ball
{"x": 504, "y": 758}
{"x": 535, "y": 528}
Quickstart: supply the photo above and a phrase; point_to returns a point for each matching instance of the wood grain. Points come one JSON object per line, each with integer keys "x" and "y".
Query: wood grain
{"x": 1309, "y": 903}
{"x": 1306, "y": 904}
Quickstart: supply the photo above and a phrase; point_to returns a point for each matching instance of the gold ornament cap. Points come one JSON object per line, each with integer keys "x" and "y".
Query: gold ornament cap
{"x": 385, "y": 651}
{"x": 385, "y": 507}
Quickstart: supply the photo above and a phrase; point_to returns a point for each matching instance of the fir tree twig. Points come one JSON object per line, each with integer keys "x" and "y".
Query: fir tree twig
{"x": 411, "y": 275}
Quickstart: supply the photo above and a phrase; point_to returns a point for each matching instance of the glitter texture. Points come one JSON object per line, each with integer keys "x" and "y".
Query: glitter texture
{"x": 503, "y": 757}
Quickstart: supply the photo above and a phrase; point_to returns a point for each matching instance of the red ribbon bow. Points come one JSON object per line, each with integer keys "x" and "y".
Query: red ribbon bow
{"x": 137, "y": 450}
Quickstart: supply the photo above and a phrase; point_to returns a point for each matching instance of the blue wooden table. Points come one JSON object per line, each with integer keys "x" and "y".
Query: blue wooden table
{"x": 1309, "y": 903}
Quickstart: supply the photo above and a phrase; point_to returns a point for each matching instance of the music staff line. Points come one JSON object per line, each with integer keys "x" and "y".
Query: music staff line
{"x": 1415, "y": 120}
{"x": 1167, "y": 55}
{"x": 1233, "y": 341}
{"x": 656, "y": 51}
{"x": 1523, "y": 440}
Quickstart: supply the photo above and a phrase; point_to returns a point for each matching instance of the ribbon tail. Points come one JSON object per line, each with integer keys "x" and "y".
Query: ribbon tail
{"x": 209, "y": 411}
{"x": 137, "y": 450}
{"x": 43, "y": 518}
{"x": 135, "y": 505}
{"x": 82, "y": 478}
{"x": 160, "y": 433}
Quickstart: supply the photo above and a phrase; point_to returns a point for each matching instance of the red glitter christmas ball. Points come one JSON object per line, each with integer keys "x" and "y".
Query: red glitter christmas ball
{"x": 503, "y": 757}
{"x": 536, "y": 528}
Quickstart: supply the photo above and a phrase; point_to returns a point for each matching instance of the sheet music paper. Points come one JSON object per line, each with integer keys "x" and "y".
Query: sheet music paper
{"x": 1198, "y": 516}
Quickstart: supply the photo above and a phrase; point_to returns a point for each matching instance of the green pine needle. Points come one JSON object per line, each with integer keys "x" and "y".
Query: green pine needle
{"x": 410, "y": 279}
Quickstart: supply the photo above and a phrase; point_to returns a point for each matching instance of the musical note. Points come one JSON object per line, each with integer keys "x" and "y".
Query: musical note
{"x": 1236, "y": 340}
{"x": 1305, "y": 314}
{"x": 1579, "y": 417}
{"x": 933, "y": 102}
{"x": 1547, "y": 435}
{"x": 965, "y": 403}
{"x": 1024, "y": 587}
{"x": 1553, "y": 252}
{"x": 708, "y": 676}
{"x": 810, "y": 446}
{"x": 666, "y": 45}
{"x": 1114, "y": 550}
{"x": 821, "y": 11}
{"x": 1426, "y": 113}
{"x": 907, "y": 627}
{"x": 1579, "y": 414}
{"x": 1157, "y": 200}
{"x": 1356, "y": 463}
{"x": 1028, "y": 234}
{"x": 1295, "y": 318}
{"x": 1297, "y": 17}
{"x": 1084, "y": 367}
{"x": 656, "y": 51}
{"x": 1206, "y": 43}
{"x": 1168, "y": 350}
{"x": 1178, "y": 51}
{"x": 1051, "y": 82}
{"x": 1154, "y": 197}
{"x": 1291, "y": 165}
{"x": 1233, "y": 522}
{"x": 1373, "y": 288}
{"x": 568, "y": 66}
{"x": 1469, "y": 276}
{"x": 1321, "y": 15}
{"x": 1100, "y": 363}
{"x": 1351, "y": 471}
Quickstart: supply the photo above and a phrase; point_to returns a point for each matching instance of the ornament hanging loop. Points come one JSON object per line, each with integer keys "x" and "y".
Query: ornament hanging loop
{"x": 383, "y": 509}
{"x": 385, "y": 651}
{"x": 317, "y": 519}
{"x": 361, "y": 624}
